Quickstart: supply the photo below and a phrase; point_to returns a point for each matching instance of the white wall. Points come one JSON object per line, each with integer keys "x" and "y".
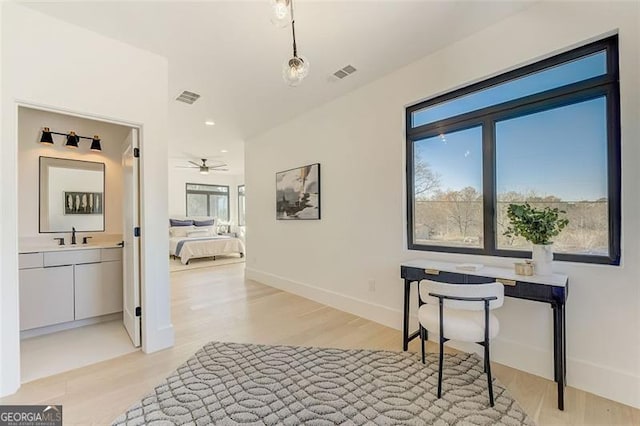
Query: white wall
{"x": 55, "y": 64}
{"x": 178, "y": 178}
{"x": 30, "y": 123}
{"x": 8, "y": 311}
{"x": 359, "y": 141}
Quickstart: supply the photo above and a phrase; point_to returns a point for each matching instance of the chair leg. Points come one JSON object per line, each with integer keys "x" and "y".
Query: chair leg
{"x": 422, "y": 341}
{"x": 487, "y": 365}
{"x": 440, "y": 362}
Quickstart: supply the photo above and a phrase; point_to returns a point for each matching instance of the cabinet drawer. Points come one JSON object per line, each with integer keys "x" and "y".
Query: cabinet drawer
{"x": 30, "y": 260}
{"x": 46, "y": 296}
{"x": 111, "y": 254}
{"x": 418, "y": 274}
{"x": 71, "y": 257}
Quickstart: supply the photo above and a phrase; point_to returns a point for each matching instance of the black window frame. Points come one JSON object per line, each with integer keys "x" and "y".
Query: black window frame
{"x": 244, "y": 195}
{"x": 192, "y": 191}
{"x": 607, "y": 85}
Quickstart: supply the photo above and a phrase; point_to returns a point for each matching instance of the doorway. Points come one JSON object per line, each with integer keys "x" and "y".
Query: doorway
{"x": 79, "y": 256}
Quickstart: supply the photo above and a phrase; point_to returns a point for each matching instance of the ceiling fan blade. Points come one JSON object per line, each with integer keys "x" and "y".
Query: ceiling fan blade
{"x": 195, "y": 164}
{"x": 187, "y": 167}
{"x": 218, "y": 166}
{"x": 220, "y": 170}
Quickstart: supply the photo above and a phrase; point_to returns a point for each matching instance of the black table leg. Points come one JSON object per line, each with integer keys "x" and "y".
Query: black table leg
{"x": 405, "y": 320}
{"x": 555, "y": 343}
{"x": 559, "y": 355}
{"x": 564, "y": 344}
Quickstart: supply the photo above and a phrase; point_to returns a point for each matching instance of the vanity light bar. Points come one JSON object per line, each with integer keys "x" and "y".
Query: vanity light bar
{"x": 72, "y": 139}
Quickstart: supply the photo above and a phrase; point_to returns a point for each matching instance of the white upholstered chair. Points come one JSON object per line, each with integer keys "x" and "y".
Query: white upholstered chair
{"x": 460, "y": 312}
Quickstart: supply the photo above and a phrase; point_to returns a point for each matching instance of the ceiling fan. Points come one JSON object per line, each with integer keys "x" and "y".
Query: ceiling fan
{"x": 204, "y": 168}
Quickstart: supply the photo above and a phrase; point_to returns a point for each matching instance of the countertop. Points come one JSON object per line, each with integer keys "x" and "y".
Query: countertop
{"x": 67, "y": 247}
{"x": 558, "y": 280}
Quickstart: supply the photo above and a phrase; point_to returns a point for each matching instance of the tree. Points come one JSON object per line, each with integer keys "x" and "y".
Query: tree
{"x": 425, "y": 180}
{"x": 465, "y": 208}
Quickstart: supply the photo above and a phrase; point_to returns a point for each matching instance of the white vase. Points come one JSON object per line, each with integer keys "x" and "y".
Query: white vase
{"x": 543, "y": 259}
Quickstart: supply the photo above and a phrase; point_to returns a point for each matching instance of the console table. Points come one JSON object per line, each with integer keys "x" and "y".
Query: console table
{"x": 551, "y": 289}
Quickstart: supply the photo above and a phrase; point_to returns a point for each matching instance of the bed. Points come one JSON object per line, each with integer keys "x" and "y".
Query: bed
{"x": 200, "y": 239}
{"x": 187, "y": 248}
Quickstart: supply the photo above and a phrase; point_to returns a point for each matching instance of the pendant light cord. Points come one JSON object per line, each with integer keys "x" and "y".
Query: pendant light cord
{"x": 293, "y": 30}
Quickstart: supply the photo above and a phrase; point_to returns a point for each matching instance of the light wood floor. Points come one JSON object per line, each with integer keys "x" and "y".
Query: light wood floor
{"x": 219, "y": 304}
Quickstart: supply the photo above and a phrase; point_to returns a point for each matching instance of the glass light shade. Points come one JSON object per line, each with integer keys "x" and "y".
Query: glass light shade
{"x": 295, "y": 70}
{"x": 280, "y": 13}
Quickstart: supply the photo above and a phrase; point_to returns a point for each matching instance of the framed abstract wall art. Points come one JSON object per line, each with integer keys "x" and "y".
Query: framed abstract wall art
{"x": 298, "y": 193}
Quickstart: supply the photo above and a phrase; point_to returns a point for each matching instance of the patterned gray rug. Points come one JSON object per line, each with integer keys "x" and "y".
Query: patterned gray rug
{"x": 233, "y": 384}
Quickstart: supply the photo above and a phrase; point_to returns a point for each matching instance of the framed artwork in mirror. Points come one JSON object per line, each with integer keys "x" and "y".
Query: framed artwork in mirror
{"x": 83, "y": 202}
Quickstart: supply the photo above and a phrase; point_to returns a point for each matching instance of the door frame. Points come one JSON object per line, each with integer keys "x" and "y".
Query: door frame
{"x": 10, "y": 330}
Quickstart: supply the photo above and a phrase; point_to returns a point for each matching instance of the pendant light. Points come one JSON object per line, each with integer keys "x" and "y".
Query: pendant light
{"x": 296, "y": 68}
{"x": 280, "y": 13}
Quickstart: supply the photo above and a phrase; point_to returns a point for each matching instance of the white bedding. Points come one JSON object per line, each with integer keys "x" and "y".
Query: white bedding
{"x": 194, "y": 248}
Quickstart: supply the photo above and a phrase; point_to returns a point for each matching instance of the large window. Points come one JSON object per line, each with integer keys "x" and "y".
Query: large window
{"x": 208, "y": 200}
{"x": 241, "y": 206}
{"x": 547, "y": 134}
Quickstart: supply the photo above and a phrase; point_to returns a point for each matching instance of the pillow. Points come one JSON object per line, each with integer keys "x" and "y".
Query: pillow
{"x": 209, "y": 222}
{"x": 210, "y": 230}
{"x": 199, "y": 233}
{"x": 180, "y": 222}
{"x": 180, "y": 231}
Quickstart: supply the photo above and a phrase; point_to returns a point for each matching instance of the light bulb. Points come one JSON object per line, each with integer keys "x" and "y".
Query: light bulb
{"x": 281, "y": 13}
{"x": 295, "y": 70}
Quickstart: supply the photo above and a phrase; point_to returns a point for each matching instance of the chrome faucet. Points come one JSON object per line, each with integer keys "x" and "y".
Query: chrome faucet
{"x": 73, "y": 235}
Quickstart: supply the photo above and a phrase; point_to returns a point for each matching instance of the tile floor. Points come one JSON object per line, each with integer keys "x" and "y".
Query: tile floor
{"x": 55, "y": 353}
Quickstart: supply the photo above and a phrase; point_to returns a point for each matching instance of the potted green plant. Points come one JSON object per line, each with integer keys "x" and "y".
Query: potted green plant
{"x": 537, "y": 226}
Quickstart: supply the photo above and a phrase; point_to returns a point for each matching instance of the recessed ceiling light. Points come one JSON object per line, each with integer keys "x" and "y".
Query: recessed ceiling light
{"x": 224, "y": 150}
{"x": 210, "y": 123}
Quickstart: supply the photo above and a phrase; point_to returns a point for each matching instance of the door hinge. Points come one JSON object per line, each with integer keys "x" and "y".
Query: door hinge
{"x": 136, "y": 231}
{"x": 138, "y": 311}
{"x": 136, "y": 152}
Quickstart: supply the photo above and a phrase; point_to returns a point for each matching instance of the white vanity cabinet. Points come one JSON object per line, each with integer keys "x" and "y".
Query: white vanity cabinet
{"x": 61, "y": 286}
{"x": 98, "y": 288}
{"x": 46, "y": 296}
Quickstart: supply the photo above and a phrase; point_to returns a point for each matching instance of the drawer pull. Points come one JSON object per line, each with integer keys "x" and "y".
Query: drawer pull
{"x": 505, "y": 281}
{"x": 432, "y": 272}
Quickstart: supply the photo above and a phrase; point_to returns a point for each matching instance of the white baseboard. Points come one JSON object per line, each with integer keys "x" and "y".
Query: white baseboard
{"x": 597, "y": 379}
{"x": 604, "y": 381}
{"x": 362, "y": 308}
{"x": 34, "y": 332}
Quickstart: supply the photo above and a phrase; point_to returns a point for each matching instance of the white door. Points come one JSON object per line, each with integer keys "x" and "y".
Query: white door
{"x": 131, "y": 250}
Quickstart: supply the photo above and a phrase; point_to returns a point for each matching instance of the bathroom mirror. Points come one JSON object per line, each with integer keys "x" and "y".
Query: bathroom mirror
{"x": 71, "y": 195}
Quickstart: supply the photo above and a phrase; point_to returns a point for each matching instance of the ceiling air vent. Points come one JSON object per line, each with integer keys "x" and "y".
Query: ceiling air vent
{"x": 187, "y": 97}
{"x": 343, "y": 72}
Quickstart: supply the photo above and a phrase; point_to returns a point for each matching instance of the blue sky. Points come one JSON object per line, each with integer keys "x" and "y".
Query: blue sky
{"x": 559, "y": 152}
{"x": 561, "y": 75}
